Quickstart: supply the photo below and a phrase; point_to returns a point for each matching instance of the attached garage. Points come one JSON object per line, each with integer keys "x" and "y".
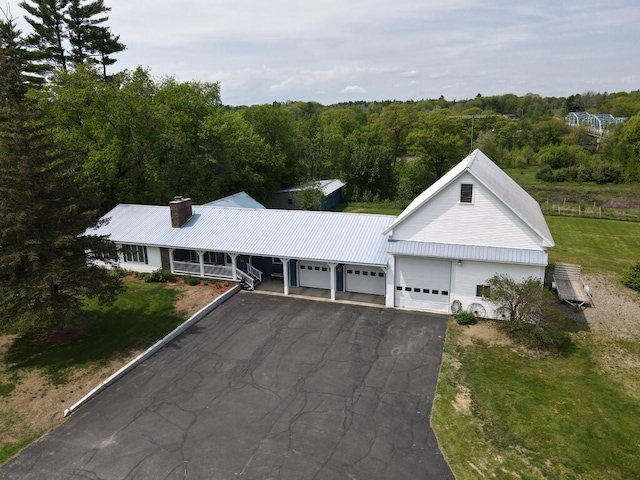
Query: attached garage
{"x": 314, "y": 274}
{"x": 422, "y": 283}
{"x": 363, "y": 279}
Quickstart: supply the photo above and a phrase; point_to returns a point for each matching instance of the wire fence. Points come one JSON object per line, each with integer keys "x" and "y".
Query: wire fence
{"x": 593, "y": 211}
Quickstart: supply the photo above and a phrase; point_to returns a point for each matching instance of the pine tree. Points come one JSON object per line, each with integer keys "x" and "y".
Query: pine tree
{"x": 45, "y": 207}
{"x": 47, "y": 18}
{"x": 91, "y": 41}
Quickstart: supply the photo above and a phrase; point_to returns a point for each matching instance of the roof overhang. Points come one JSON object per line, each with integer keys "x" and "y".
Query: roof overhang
{"x": 518, "y": 256}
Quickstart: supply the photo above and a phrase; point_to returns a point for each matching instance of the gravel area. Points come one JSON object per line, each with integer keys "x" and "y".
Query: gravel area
{"x": 616, "y": 310}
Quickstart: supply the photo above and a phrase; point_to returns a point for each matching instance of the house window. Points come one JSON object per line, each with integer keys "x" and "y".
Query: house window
{"x": 483, "y": 290}
{"x": 425, "y": 290}
{"x": 324, "y": 269}
{"x": 466, "y": 193}
{"x": 302, "y": 267}
{"x": 435, "y": 292}
{"x": 135, "y": 253}
{"x": 398, "y": 288}
{"x": 380, "y": 274}
{"x": 416, "y": 290}
{"x": 444, "y": 292}
{"x": 276, "y": 261}
{"x": 289, "y": 201}
{"x": 364, "y": 272}
{"x": 349, "y": 271}
{"x": 210, "y": 258}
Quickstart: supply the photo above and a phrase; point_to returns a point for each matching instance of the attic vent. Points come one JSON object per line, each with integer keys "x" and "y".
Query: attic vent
{"x": 466, "y": 193}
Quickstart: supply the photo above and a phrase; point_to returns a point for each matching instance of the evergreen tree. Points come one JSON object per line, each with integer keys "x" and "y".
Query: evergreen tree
{"x": 45, "y": 207}
{"x": 47, "y": 18}
{"x": 90, "y": 40}
{"x": 17, "y": 62}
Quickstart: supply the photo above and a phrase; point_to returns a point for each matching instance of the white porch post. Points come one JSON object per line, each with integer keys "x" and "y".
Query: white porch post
{"x": 285, "y": 274}
{"x": 201, "y": 258}
{"x": 171, "y": 259}
{"x": 234, "y": 265}
{"x": 332, "y": 269}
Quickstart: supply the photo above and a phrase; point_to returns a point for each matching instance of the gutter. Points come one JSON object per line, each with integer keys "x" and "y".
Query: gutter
{"x": 195, "y": 318}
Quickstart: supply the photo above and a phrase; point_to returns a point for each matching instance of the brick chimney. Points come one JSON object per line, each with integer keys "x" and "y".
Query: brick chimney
{"x": 180, "y": 211}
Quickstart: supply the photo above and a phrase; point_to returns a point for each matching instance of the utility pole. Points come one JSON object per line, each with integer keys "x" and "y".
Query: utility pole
{"x": 473, "y": 118}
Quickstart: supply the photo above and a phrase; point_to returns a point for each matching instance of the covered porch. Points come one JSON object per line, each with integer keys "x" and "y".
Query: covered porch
{"x": 215, "y": 265}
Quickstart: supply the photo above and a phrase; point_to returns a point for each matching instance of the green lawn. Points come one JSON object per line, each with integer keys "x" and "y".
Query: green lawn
{"x": 141, "y": 315}
{"x": 599, "y": 245}
{"x": 549, "y": 417}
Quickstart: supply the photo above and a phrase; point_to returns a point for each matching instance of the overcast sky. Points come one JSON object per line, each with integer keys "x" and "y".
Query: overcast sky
{"x": 340, "y": 50}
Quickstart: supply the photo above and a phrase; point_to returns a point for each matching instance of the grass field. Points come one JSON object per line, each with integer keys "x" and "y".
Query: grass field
{"x": 534, "y": 417}
{"x": 599, "y": 245}
{"x": 142, "y": 314}
{"x": 139, "y": 317}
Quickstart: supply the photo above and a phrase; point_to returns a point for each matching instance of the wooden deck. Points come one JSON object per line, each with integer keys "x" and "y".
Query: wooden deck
{"x": 570, "y": 286}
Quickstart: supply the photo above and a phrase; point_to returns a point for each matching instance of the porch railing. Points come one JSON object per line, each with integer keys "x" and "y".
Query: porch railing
{"x": 255, "y": 272}
{"x": 215, "y": 271}
{"x": 248, "y": 279}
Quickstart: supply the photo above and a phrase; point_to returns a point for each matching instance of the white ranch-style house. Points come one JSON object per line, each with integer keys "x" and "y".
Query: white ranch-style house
{"x": 437, "y": 255}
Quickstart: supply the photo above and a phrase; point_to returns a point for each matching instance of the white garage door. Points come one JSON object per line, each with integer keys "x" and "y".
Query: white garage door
{"x": 362, "y": 279}
{"x": 314, "y": 274}
{"x": 423, "y": 283}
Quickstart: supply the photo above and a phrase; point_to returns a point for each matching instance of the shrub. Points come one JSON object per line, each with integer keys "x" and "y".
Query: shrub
{"x": 532, "y": 318}
{"x": 142, "y": 276}
{"x": 192, "y": 281}
{"x": 632, "y": 277}
{"x": 465, "y": 318}
{"x": 160, "y": 276}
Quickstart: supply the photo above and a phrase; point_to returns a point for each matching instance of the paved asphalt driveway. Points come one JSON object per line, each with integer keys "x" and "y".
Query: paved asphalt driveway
{"x": 265, "y": 387}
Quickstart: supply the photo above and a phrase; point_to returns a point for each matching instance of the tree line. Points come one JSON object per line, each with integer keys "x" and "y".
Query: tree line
{"x": 77, "y": 137}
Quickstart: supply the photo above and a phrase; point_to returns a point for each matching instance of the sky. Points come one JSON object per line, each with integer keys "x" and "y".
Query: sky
{"x": 333, "y": 51}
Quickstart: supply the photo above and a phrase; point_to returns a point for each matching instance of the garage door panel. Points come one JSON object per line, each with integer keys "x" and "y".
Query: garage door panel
{"x": 363, "y": 279}
{"x": 314, "y": 274}
{"x": 423, "y": 283}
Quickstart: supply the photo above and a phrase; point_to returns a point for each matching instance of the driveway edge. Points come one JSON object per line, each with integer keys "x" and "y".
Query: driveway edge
{"x": 195, "y": 318}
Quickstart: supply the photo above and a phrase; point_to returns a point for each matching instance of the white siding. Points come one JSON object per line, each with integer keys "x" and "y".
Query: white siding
{"x": 470, "y": 274}
{"x": 486, "y": 221}
{"x": 153, "y": 257}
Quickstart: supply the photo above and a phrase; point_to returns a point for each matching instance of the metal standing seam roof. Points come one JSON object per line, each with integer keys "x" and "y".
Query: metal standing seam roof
{"x": 306, "y": 235}
{"x": 469, "y": 252}
{"x": 327, "y": 186}
{"x": 498, "y": 182}
{"x": 240, "y": 199}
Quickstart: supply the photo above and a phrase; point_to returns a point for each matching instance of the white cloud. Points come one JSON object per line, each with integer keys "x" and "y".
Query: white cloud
{"x": 353, "y": 89}
{"x": 291, "y": 50}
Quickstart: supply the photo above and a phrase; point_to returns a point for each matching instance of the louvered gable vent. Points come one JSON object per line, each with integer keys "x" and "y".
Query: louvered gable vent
{"x": 466, "y": 193}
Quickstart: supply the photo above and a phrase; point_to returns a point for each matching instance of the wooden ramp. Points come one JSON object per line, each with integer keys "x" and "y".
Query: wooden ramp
{"x": 568, "y": 283}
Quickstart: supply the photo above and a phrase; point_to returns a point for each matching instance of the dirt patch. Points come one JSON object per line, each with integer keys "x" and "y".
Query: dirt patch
{"x": 616, "y": 311}
{"x": 483, "y": 332}
{"x": 55, "y": 337}
{"x": 462, "y": 401}
{"x": 193, "y": 298}
{"x": 35, "y": 405}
